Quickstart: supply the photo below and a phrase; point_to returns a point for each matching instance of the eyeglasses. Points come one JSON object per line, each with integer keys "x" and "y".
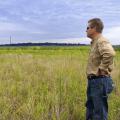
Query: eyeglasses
{"x": 89, "y": 28}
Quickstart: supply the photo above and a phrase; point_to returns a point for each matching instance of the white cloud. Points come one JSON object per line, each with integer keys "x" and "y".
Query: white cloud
{"x": 6, "y": 2}
{"x": 113, "y": 34}
{"x": 54, "y": 20}
{"x": 71, "y": 40}
{"x": 5, "y": 26}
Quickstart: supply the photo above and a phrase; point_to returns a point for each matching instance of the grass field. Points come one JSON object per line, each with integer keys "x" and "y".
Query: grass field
{"x": 48, "y": 83}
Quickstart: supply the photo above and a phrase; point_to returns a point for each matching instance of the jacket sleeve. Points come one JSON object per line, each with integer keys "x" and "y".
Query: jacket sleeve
{"x": 107, "y": 54}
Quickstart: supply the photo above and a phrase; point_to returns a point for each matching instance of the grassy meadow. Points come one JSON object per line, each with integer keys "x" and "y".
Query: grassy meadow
{"x": 48, "y": 83}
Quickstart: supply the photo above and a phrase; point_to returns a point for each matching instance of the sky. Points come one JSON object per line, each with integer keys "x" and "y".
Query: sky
{"x": 56, "y": 20}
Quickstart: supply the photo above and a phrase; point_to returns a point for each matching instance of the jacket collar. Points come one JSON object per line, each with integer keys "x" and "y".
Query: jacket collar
{"x": 95, "y": 39}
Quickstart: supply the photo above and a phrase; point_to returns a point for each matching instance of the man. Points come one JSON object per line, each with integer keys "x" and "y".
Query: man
{"x": 100, "y": 65}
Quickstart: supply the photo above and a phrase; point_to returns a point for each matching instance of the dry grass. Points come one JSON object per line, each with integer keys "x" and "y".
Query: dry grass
{"x": 48, "y": 86}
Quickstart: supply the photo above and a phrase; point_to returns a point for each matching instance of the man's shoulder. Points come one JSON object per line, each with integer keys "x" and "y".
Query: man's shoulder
{"x": 103, "y": 40}
{"x": 104, "y": 44}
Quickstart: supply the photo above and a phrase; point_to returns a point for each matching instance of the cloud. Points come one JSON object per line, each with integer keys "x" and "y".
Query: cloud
{"x": 54, "y": 19}
{"x": 5, "y": 26}
{"x": 83, "y": 40}
{"x": 113, "y": 34}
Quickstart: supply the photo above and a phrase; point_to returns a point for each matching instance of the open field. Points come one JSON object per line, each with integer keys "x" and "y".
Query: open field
{"x": 48, "y": 83}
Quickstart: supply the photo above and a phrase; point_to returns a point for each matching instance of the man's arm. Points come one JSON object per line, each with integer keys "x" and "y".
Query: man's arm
{"x": 107, "y": 54}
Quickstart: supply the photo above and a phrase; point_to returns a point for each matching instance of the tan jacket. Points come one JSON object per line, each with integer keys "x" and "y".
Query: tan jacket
{"x": 101, "y": 56}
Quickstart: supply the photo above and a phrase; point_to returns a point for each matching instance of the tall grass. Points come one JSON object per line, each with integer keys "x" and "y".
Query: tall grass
{"x": 42, "y": 83}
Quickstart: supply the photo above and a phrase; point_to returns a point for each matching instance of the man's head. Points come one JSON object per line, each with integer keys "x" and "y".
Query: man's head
{"x": 95, "y": 26}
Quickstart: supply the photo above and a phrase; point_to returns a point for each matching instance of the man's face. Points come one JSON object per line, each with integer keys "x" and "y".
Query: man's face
{"x": 90, "y": 31}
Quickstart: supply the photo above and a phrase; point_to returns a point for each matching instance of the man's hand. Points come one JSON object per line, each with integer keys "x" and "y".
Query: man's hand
{"x": 101, "y": 72}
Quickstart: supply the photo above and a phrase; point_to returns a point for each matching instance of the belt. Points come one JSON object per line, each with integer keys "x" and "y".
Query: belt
{"x": 91, "y": 77}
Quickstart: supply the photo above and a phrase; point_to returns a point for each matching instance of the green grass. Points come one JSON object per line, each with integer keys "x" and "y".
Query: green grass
{"x": 48, "y": 83}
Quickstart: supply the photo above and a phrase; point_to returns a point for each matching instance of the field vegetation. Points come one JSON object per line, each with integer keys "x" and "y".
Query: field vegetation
{"x": 48, "y": 83}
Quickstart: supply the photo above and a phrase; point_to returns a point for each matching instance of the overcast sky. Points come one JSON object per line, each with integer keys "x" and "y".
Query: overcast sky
{"x": 56, "y": 20}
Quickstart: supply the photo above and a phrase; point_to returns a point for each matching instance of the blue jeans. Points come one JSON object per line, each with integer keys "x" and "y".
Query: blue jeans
{"x": 97, "y": 96}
